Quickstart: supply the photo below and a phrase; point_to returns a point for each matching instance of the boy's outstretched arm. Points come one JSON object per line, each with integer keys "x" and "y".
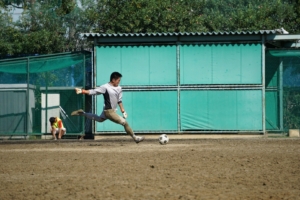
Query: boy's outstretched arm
{"x": 81, "y": 91}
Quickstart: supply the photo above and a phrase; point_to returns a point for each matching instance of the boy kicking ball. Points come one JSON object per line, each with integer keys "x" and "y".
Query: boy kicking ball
{"x": 112, "y": 94}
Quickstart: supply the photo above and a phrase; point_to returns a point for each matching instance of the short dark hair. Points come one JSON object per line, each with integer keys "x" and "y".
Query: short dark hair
{"x": 52, "y": 120}
{"x": 115, "y": 75}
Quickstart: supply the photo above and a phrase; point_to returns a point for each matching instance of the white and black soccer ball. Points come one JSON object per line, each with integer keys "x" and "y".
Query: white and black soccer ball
{"x": 163, "y": 139}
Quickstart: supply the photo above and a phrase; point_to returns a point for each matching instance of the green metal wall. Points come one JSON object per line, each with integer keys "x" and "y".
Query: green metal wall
{"x": 147, "y": 110}
{"x": 181, "y": 93}
{"x": 272, "y": 110}
{"x": 141, "y": 65}
{"x": 221, "y": 110}
{"x": 220, "y": 64}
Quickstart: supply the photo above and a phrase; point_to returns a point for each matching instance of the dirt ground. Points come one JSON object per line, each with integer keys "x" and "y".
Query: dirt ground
{"x": 261, "y": 168}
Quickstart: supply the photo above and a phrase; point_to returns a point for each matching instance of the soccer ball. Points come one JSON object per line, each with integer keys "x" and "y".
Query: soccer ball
{"x": 163, "y": 139}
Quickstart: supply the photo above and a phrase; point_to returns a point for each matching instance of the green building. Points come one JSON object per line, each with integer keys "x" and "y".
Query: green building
{"x": 218, "y": 82}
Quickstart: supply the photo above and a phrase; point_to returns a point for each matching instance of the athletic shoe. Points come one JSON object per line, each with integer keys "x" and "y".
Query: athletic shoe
{"x": 77, "y": 112}
{"x": 138, "y": 139}
{"x": 81, "y": 137}
{"x": 54, "y": 138}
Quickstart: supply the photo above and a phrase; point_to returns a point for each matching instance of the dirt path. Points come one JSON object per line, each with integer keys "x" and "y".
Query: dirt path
{"x": 121, "y": 169}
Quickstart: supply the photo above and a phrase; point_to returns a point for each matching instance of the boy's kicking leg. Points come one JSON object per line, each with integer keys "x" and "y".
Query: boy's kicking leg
{"x": 113, "y": 116}
{"x": 91, "y": 116}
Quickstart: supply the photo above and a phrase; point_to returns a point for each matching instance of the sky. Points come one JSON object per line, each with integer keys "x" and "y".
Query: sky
{"x": 16, "y": 13}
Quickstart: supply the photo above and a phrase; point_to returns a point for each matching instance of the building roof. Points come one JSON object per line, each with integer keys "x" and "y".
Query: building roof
{"x": 98, "y": 35}
{"x": 277, "y": 37}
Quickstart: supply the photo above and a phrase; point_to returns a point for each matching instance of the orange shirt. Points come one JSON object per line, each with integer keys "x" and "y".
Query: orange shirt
{"x": 58, "y": 123}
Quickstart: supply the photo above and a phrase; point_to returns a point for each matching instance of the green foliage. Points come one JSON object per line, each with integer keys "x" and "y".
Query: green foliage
{"x": 124, "y": 16}
{"x": 66, "y": 7}
{"x": 48, "y": 26}
{"x": 233, "y": 15}
{"x": 41, "y": 31}
{"x": 14, "y": 3}
{"x": 117, "y": 16}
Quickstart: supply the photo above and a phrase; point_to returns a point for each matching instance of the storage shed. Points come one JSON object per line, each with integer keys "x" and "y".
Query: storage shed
{"x": 216, "y": 82}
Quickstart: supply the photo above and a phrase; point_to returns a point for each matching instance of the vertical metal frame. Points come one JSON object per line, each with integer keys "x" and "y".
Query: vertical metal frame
{"x": 280, "y": 83}
{"x": 94, "y": 81}
{"x": 83, "y": 96}
{"x": 27, "y": 98}
{"x": 46, "y": 103}
{"x": 178, "y": 86}
{"x": 263, "y": 89}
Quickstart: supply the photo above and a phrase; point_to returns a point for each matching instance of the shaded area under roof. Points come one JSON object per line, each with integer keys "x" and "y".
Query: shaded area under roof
{"x": 285, "y": 53}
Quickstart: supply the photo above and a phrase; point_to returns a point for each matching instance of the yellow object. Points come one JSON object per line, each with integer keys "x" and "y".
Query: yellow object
{"x": 58, "y": 123}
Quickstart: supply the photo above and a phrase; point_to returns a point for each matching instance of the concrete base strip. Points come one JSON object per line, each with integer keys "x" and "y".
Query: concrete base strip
{"x": 178, "y": 137}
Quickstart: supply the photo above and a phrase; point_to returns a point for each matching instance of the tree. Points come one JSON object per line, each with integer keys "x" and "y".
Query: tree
{"x": 47, "y": 27}
{"x": 236, "y": 15}
{"x": 9, "y": 35}
{"x": 140, "y": 16}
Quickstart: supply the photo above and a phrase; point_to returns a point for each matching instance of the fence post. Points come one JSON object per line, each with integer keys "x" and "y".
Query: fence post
{"x": 93, "y": 84}
{"x": 281, "y": 94}
{"x": 178, "y": 86}
{"x": 46, "y": 106}
{"x": 263, "y": 71}
{"x": 83, "y": 96}
{"x": 27, "y": 99}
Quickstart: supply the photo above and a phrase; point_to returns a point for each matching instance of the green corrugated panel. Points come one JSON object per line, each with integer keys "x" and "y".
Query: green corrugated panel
{"x": 221, "y": 110}
{"x": 220, "y": 64}
{"x": 139, "y": 65}
{"x": 147, "y": 111}
{"x": 272, "y": 111}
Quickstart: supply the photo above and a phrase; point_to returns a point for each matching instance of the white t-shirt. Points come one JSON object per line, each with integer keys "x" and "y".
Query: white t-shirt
{"x": 112, "y": 95}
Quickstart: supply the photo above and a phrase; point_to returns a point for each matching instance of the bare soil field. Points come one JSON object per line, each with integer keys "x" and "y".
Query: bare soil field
{"x": 262, "y": 168}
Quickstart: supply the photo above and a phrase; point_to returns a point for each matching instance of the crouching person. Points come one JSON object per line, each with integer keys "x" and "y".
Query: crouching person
{"x": 57, "y": 127}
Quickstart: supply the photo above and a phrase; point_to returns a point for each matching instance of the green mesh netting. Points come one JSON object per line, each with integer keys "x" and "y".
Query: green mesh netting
{"x": 282, "y": 89}
{"x": 40, "y": 63}
{"x": 28, "y": 100}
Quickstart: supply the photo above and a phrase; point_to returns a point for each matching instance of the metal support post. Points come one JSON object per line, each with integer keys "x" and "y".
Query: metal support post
{"x": 93, "y": 59}
{"x": 280, "y": 82}
{"x": 27, "y": 99}
{"x": 178, "y": 85}
{"x": 83, "y": 96}
{"x": 46, "y": 105}
{"x": 263, "y": 49}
